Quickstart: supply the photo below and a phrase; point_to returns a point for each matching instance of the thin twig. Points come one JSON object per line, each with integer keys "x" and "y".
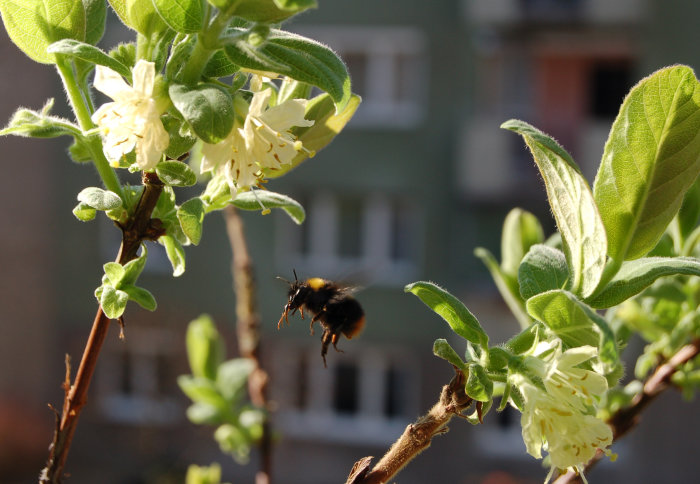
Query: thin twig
{"x": 417, "y": 436}
{"x": 248, "y": 330}
{"x": 628, "y": 417}
{"x": 138, "y": 228}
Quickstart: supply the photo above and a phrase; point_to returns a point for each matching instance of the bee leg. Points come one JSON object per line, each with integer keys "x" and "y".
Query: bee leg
{"x": 284, "y": 317}
{"x": 334, "y": 339}
{"x": 314, "y": 319}
{"x": 325, "y": 341}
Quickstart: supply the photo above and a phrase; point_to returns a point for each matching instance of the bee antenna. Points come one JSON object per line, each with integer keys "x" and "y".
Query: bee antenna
{"x": 296, "y": 279}
{"x": 283, "y": 279}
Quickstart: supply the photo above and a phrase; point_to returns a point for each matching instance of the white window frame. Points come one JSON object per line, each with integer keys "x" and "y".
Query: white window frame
{"x": 375, "y": 262}
{"x": 318, "y": 420}
{"x": 144, "y": 405}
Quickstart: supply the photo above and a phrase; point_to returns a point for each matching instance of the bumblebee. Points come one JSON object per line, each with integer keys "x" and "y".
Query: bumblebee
{"x": 330, "y": 304}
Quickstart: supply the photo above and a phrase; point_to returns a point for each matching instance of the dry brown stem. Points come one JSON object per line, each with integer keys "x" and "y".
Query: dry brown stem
{"x": 138, "y": 228}
{"x": 417, "y": 436}
{"x": 248, "y": 330}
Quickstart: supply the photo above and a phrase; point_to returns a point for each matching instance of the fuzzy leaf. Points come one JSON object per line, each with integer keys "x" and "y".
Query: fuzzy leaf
{"x": 191, "y": 217}
{"x": 251, "y": 201}
{"x": 175, "y": 253}
{"x": 176, "y": 173}
{"x": 451, "y": 310}
{"x": 635, "y": 276}
{"x": 573, "y": 206}
{"x": 296, "y": 57}
{"x": 521, "y": 230}
{"x": 33, "y": 25}
{"x": 575, "y": 323}
{"x": 141, "y": 296}
{"x": 479, "y": 386}
{"x": 543, "y": 268}
{"x": 651, "y": 158}
{"x": 89, "y": 53}
{"x": 186, "y": 16}
{"x": 442, "y": 349}
{"x": 205, "y": 347}
{"x": 208, "y": 109}
{"x": 113, "y": 302}
{"x": 99, "y": 199}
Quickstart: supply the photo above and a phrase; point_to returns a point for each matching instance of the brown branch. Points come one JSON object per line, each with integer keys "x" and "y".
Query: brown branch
{"x": 417, "y": 436}
{"x": 248, "y": 330}
{"x": 139, "y": 227}
{"x": 628, "y": 417}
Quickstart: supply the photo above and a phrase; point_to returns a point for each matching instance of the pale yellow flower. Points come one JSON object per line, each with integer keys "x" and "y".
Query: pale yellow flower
{"x": 263, "y": 141}
{"x": 560, "y": 418}
{"x": 132, "y": 122}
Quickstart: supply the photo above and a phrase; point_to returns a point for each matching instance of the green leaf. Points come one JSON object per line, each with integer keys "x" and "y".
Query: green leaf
{"x": 572, "y": 203}
{"x": 191, "y": 217}
{"x": 29, "y": 123}
{"x": 252, "y": 200}
{"x": 205, "y": 347}
{"x": 327, "y": 125}
{"x": 690, "y": 210}
{"x": 115, "y": 273}
{"x": 220, "y": 66}
{"x": 95, "y": 20}
{"x": 651, "y": 158}
{"x": 203, "y": 414}
{"x": 176, "y": 173}
{"x": 507, "y": 285}
{"x": 524, "y": 341}
{"x": 543, "y": 268}
{"x": 89, "y": 53}
{"x": 140, "y": 296}
{"x": 139, "y": 15}
{"x": 134, "y": 268}
{"x": 175, "y": 253}
{"x": 180, "y": 142}
{"x": 296, "y": 57}
{"x": 99, "y": 199}
{"x": 634, "y": 276}
{"x": 232, "y": 377}
{"x": 442, "y": 349}
{"x": 451, "y": 310}
{"x": 479, "y": 386}
{"x": 521, "y": 230}
{"x": 186, "y": 16}
{"x": 575, "y": 323}
{"x": 33, "y": 25}
{"x": 202, "y": 390}
{"x": 268, "y": 11}
{"x": 84, "y": 212}
{"x": 208, "y": 108}
{"x": 113, "y": 302}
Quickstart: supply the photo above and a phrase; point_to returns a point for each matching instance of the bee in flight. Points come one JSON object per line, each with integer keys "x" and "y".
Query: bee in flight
{"x": 330, "y": 304}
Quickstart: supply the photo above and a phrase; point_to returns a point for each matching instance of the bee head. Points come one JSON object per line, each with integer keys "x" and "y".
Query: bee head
{"x": 298, "y": 292}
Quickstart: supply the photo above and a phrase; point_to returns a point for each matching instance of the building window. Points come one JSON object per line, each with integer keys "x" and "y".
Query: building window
{"x": 137, "y": 379}
{"x": 364, "y": 396}
{"x": 388, "y": 68}
{"x": 608, "y": 84}
{"x": 373, "y": 238}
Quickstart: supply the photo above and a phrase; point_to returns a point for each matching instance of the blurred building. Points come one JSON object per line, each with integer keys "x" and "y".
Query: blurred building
{"x": 421, "y": 177}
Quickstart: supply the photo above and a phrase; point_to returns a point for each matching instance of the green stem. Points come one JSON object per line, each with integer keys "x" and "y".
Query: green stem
{"x": 82, "y": 114}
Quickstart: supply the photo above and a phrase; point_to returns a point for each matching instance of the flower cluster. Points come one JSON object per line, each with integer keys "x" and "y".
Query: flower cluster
{"x": 559, "y": 403}
{"x": 262, "y": 141}
{"x": 132, "y": 122}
